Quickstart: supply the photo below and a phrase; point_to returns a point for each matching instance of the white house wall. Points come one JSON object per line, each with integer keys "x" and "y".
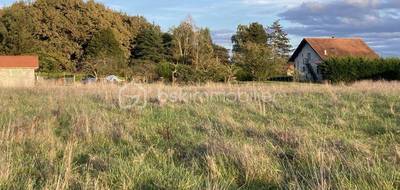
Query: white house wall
{"x": 300, "y": 63}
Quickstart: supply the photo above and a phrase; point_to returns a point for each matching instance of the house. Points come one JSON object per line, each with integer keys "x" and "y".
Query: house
{"x": 18, "y": 71}
{"x": 313, "y": 51}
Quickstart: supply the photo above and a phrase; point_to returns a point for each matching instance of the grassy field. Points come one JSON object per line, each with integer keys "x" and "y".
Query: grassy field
{"x": 298, "y": 136}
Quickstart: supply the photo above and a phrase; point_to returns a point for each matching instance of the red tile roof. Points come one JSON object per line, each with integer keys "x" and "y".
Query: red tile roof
{"x": 337, "y": 47}
{"x": 19, "y": 62}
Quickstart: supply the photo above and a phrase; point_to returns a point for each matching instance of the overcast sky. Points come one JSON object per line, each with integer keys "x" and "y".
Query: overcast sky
{"x": 377, "y": 21}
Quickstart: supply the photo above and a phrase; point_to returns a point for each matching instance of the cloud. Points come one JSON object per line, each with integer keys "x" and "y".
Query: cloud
{"x": 223, "y": 37}
{"x": 264, "y": 2}
{"x": 271, "y": 2}
{"x": 376, "y": 21}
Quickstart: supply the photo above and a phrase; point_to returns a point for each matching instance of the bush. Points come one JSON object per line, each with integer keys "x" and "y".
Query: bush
{"x": 258, "y": 62}
{"x": 145, "y": 70}
{"x": 213, "y": 72}
{"x": 243, "y": 75}
{"x": 282, "y": 78}
{"x": 186, "y": 73}
{"x": 350, "y": 69}
{"x": 392, "y": 69}
{"x": 165, "y": 70}
{"x": 217, "y": 72}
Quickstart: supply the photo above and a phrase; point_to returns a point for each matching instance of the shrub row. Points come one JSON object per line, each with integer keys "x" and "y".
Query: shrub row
{"x": 350, "y": 69}
{"x": 215, "y": 73}
{"x": 183, "y": 73}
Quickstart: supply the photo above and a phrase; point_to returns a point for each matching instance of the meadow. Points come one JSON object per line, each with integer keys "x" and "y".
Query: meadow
{"x": 275, "y": 136}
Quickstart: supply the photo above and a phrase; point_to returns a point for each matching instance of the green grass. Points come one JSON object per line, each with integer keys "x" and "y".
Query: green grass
{"x": 304, "y": 137}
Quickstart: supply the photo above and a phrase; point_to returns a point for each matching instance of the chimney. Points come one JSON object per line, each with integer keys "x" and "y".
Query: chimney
{"x": 325, "y": 52}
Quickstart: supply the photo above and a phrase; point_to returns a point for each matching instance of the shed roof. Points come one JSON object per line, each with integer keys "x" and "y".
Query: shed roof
{"x": 337, "y": 47}
{"x": 19, "y": 62}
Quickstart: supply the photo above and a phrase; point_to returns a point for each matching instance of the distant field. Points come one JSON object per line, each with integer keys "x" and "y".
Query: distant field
{"x": 214, "y": 136}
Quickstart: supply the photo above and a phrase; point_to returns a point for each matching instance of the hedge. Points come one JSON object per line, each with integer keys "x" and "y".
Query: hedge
{"x": 350, "y": 69}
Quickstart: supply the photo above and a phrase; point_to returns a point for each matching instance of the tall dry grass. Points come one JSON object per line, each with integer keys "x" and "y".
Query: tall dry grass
{"x": 299, "y": 136}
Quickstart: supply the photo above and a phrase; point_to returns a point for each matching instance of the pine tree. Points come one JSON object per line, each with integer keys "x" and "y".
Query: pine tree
{"x": 259, "y": 54}
{"x": 149, "y": 45}
{"x": 104, "y": 43}
{"x": 279, "y": 40}
{"x": 168, "y": 47}
{"x": 221, "y": 53}
{"x": 104, "y": 55}
{"x": 253, "y": 33}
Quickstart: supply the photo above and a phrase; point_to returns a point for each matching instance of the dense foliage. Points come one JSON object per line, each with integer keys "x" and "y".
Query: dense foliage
{"x": 351, "y": 69}
{"x": 258, "y": 62}
{"x": 148, "y": 45}
{"x": 195, "y": 57}
{"x": 260, "y": 52}
{"x": 252, "y": 33}
{"x": 104, "y": 55}
{"x": 59, "y": 31}
{"x": 77, "y": 36}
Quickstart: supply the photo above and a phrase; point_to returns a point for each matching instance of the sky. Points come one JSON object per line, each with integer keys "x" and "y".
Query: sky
{"x": 376, "y": 21}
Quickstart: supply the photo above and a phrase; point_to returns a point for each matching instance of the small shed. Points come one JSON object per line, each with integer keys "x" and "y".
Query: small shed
{"x": 18, "y": 71}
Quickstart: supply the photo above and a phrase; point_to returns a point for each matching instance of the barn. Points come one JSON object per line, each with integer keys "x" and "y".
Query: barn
{"x": 18, "y": 71}
{"x": 313, "y": 51}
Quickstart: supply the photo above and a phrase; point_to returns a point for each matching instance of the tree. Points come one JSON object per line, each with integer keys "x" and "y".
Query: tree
{"x": 221, "y": 53}
{"x": 279, "y": 40}
{"x": 149, "y": 45}
{"x": 182, "y": 42}
{"x": 193, "y": 47}
{"x": 165, "y": 71}
{"x": 168, "y": 46}
{"x": 15, "y": 31}
{"x": 203, "y": 46}
{"x": 254, "y": 33}
{"x": 61, "y": 30}
{"x": 104, "y": 55}
{"x": 3, "y": 35}
{"x": 145, "y": 70}
{"x": 258, "y": 62}
{"x": 258, "y": 54}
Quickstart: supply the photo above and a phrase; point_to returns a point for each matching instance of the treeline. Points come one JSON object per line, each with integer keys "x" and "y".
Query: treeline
{"x": 350, "y": 69}
{"x": 77, "y": 36}
{"x": 60, "y": 31}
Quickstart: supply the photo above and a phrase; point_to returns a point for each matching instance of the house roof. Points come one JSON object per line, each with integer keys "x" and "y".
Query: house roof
{"x": 19, "y": 62}
{"x": 336, "y": 47}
